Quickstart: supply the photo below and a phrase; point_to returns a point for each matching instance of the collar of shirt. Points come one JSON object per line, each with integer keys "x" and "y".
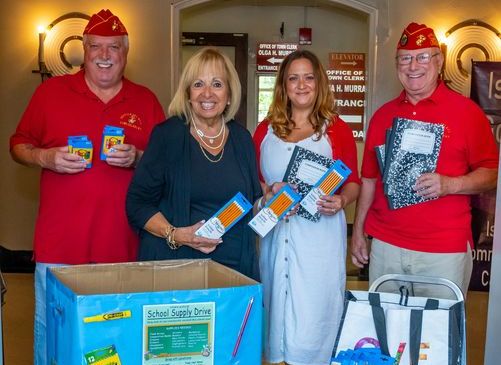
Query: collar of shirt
{"x": 80, "y": 86}
{"x": 437, "y": 95}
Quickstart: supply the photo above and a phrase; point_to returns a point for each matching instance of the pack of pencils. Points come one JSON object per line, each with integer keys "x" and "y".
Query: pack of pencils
{"x": 274, "y": 210}
{"x": 328, "y": 184}
{"x": 225, "y": 218}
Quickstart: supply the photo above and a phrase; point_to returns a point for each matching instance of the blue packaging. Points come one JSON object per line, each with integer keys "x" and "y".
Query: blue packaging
{"x": 81, "y": 146}
{"x": 111, "y": 137}
{"x": 226, "y": 217}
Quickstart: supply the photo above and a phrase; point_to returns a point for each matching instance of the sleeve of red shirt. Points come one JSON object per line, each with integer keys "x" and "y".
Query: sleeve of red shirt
{"x": 344, "y": 147}
{"x": 259, "y": 134}
{"x": 30, "y": 127}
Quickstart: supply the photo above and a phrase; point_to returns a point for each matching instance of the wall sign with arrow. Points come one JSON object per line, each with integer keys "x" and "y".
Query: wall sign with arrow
{"x": 270, "y": 55}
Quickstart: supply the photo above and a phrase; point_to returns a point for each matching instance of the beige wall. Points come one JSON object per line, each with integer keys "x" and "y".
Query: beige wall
{"x": 438, "y": 14}
{"x": 148, "y": 24}
{"x": 148, "y": 63}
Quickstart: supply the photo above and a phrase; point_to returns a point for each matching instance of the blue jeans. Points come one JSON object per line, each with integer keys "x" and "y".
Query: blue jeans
{"x": 40, "y": 330}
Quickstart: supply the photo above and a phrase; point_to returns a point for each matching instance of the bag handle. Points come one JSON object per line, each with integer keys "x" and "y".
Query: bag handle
{"x": 416, "y": 324}
{"x": 379, "y": 322}
{"x": 431, "y": 304}
{"x": 415, "y": 335}
{"x": 404, "y": 295}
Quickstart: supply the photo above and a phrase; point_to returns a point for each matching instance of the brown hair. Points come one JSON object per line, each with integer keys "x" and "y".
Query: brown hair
{"x": 280, "y": 112}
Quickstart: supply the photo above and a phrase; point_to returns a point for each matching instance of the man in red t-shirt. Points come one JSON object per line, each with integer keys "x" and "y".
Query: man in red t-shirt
{"x": 432, "y": 238}
{"x": 81, "y": 216}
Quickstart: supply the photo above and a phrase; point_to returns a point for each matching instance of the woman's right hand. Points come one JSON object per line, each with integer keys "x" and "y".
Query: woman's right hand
{"x": 186, "y": 236}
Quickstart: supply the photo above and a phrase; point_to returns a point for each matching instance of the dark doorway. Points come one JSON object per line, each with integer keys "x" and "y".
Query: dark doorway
{"x": 234, "y": 45}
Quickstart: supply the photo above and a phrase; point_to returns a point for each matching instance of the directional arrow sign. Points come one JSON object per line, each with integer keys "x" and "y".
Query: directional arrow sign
{"x": 352, "y": 63}
{"x": 274, "y": 60}
{"x": 270, "y": 55}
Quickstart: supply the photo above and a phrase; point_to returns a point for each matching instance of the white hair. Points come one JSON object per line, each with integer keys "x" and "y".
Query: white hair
{"x": 125, "y": 39}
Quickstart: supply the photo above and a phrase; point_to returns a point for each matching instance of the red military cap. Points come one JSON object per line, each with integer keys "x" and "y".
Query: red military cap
{"x": 417, "y": 36}
{"x": 105, "y": 24}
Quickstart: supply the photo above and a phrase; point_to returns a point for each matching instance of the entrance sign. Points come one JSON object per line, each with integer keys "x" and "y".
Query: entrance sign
{"x": 346, "y": 75}
{"x": 270, "y": 55}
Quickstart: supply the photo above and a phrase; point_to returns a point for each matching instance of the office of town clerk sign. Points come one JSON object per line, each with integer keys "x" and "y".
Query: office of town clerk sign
{"x": 346, "y": 74}
{"x": 270, "y": 55}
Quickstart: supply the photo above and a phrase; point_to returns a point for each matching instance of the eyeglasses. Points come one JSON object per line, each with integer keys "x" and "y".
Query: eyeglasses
{"x": 421, "y": 58}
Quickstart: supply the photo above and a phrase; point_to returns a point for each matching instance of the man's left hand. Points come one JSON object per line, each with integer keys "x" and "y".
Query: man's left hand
{"x": 123, "y": 155}
{"x": 432, "y": 185}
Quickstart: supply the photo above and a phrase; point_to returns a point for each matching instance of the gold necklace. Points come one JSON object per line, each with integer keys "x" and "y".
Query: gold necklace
{"x": 208, "y": 158}
{"x": 214, "y": 147}
{"x": 211, "y": 139}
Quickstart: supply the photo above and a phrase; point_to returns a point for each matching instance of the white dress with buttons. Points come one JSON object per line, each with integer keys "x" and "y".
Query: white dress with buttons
{"x": 303, "y": 271}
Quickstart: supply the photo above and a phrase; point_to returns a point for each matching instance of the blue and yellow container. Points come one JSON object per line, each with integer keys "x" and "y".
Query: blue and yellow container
{"x": 158, "y": 312}
{"x": 81, "y": 146}
{"x": 111, "y": 137}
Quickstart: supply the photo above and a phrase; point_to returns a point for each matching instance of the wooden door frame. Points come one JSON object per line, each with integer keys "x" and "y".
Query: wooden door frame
{"x": 240, "y": 42}
{"x": 376, "y": 10}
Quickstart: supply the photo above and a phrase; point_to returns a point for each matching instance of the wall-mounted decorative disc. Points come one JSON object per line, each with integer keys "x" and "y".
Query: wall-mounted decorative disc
{"x": 63, "y": 44}
{"x": 467, "y": 41}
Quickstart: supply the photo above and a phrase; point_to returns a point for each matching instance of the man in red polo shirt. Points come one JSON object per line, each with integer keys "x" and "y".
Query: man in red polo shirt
{"x": 81, "y": 216}
{"x": 432, "y": 238}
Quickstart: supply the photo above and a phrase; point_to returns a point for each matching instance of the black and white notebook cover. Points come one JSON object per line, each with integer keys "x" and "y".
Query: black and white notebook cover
{"x": 414, "y": 148}
{"x": 305, "y": 168}
{"x": 387, "y": 157}
{"x": 380, "y": 153}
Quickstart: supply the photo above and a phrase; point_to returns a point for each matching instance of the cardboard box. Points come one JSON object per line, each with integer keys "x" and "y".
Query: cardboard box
{"x": 177, "y": 312}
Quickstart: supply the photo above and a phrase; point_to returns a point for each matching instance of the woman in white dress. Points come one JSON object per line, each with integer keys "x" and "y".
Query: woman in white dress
{"x": 302, "y": 262}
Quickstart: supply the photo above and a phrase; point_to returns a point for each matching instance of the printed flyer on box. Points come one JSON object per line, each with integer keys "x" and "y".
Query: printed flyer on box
{"x": 179, "y": 334}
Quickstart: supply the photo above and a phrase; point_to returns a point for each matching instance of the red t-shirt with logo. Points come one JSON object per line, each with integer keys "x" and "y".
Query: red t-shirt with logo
{"x": 81, "y": 217}
{"x": 441, "y": 225}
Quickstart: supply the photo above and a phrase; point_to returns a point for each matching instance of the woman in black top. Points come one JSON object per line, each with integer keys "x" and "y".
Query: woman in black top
{"x": 195, "y": 162}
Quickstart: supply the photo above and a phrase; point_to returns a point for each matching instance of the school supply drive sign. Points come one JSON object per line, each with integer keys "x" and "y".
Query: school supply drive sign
{"x": 178, "y": 334}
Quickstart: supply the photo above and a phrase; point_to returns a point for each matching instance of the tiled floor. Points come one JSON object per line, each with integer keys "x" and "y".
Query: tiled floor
{"x": 17, "y": 316}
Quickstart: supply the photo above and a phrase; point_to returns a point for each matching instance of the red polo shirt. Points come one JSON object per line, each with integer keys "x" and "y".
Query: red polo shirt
{"x": 441, "y": 225}
{"x": 81, "y": 217}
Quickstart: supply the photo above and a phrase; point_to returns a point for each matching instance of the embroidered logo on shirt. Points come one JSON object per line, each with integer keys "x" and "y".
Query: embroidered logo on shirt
{"x": 131, "y": 120}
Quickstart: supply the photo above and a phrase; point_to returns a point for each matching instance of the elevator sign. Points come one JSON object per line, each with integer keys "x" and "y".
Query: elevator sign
{"x": 270, "y": 55}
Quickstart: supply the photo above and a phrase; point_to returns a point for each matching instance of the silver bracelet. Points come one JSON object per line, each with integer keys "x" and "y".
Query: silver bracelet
{"x": 261, "y": 203}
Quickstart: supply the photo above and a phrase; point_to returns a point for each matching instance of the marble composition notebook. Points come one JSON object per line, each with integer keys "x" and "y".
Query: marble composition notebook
{"x": 305, "y": 168}
{"x": 412, "y": 150}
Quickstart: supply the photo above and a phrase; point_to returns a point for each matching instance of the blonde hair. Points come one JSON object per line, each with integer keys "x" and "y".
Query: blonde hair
{"x": 206, "y": 57}
{"x": 280, "y": 112}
